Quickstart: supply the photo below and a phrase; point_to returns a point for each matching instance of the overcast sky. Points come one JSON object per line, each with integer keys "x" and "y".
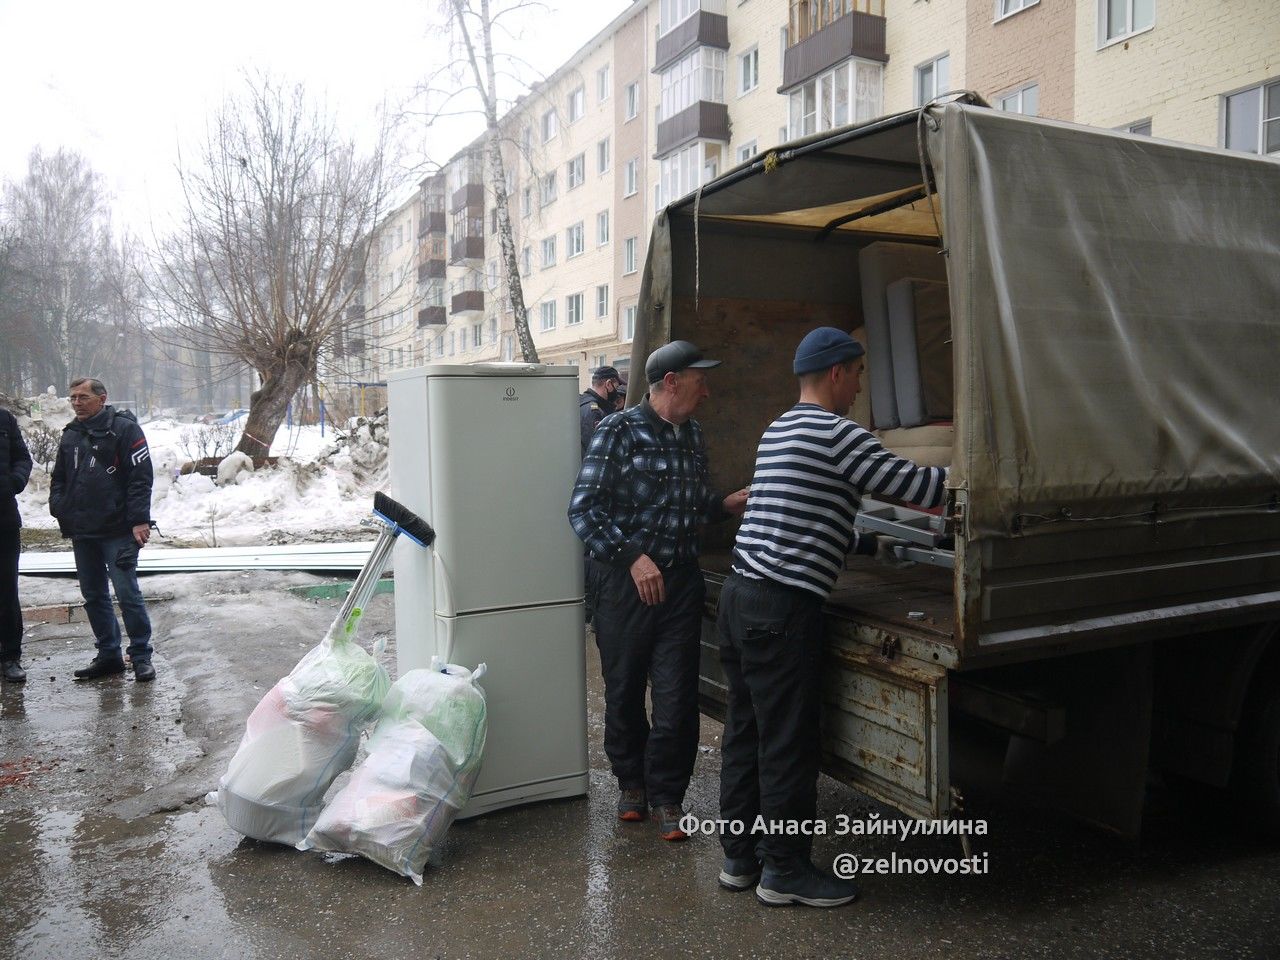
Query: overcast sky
{"x": 125, "y": 81}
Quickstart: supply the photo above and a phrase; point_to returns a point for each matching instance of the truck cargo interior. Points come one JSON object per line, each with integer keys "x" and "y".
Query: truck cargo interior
{"x": 1081, "y": 324}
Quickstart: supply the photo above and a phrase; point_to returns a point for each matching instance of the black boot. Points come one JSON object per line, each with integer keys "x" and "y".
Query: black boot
{"x": 13, "y": 672}
{"x": 143, "y": 671}
{"x": 101, "y": 667}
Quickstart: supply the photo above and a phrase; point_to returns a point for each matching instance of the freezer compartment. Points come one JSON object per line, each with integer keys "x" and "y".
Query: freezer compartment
{"x": 536, "y": 693}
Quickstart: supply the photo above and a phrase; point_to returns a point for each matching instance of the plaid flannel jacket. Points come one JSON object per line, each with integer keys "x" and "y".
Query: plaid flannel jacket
{"x": 643, "y": 490}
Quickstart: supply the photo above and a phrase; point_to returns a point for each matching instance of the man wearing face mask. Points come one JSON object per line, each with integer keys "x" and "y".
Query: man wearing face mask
{"x": 598, "y": 402}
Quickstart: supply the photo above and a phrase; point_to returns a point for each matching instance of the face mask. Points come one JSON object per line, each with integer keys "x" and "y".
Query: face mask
{"x": 611, "y": 397}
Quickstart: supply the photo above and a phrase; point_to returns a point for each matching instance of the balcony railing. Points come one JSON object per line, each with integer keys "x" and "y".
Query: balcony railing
{"x": 466, "y": 248}
{"x": 702, "y": 29}
{"x": 467, "y": 302}
{"x": 432, "y": 317}
{"x": 704, "y": 120}
{"x": 469, "y": 195}
{"x": 433, "y": 221}
{"x": 430, "y": 270}
{"x": 855, "y": 34}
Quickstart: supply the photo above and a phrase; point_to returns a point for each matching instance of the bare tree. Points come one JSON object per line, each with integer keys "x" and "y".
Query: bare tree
{"x": 61, "y": 308}
{"x": 271, "y": 252}
{"x": 476, "y": 71}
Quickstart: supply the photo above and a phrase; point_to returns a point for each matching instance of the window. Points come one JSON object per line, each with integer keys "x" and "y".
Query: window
{"x": 1026, "y": 100}
{"x": 747, "y": 151}
{"x": 698, "y": 75}
{"x": 477, "y": 335}
{"x": 1006, "y": 8}
{"x": 602, "y": 305}
{"x": 548, "y": 312}
{"x": 629, "y": 255}
{"x": 602, "y": 228}
{"x": 630, "y": 179}
{"x": 933, "y": 78}
{"x": 577, "y": 105}
{"x": 548, "y": 252}
{"x": 629, "y": 323}
{"x": 453, "y": 343}
{"x": 548, "y": 125}
{"x": 508, "y": 347}
{"x": 1141, "y": 127}
{"x": 749, "y": 71}
{"x": 526, "y": 201}
{"x": 493, "y": 329}
{"x": 1118, "y": 19}
{"x": 633, "y": 100}
{"x": 440, "y": 345}
{"x": 1251, "y": 119}
{"x": 548, "y": 185}
{"x": 573, "y": 309}
{"x": 576, "y": 171}
{"x": 493, "y": 274}
{"x": 687, "y": 169}
{"x": 526, "y": 261}
{"x": 672, "y": 13}
{"x": 573, "y": 244}
{"x": 602, "y": 84}
{"x": 851, "y": 93}
{"x": 602, "y": 155}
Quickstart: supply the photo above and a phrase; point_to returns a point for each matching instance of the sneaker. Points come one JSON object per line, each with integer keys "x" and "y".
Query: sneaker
{"x": 101, "y": 667}
{"x": 631, "y": 805}
{"x": 13, "y": 672}
{"x": 669, "y": 816}
{"x": 805, "y": 884}
{"x": 739, "y": 873}
{"x": 143, "y": 671}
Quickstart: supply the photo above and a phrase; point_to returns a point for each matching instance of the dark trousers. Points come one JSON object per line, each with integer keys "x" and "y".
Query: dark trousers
{"x": 655, "y": 646}
{"x": 104, "y": 564}
{"x": 771, "y": 648}
{"x": 10, "y": 609}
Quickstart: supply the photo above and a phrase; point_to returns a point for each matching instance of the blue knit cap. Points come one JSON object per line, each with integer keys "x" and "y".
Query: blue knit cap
{"x": 824, "y": 348}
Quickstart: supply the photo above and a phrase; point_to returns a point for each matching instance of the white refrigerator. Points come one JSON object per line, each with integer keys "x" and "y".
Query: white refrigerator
{"x": 487, "y": 454}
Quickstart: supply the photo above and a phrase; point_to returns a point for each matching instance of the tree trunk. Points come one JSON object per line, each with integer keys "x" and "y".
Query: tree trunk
{"x": 267, "y": 406}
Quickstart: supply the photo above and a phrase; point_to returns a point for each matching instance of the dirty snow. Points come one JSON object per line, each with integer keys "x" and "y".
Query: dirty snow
{"x": 320, "y": 489}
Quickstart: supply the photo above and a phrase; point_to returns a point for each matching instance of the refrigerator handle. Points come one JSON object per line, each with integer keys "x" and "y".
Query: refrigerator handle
{"x": 447, "y": 628}
{"x": 450, "y": 604}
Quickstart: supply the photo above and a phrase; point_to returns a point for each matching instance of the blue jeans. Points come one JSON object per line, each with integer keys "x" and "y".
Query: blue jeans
{"x": 115, "y": 558}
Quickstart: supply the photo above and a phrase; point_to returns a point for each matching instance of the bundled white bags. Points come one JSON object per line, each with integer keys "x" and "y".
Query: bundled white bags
{"x": 423, "y": 759}
{"x": 302, "y": 734}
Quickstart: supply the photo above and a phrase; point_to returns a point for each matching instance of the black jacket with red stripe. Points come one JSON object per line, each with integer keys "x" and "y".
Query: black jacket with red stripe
{"x": 101, "y": 485}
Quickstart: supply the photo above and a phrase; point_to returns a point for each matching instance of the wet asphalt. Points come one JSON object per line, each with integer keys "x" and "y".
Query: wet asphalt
{"x": 108, "y": 849}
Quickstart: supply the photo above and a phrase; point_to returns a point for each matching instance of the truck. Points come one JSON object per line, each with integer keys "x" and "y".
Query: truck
{"x": 1084, "y": 325}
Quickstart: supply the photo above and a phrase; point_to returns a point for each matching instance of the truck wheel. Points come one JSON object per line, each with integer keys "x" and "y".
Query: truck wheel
{"x": 1259, "y": 763}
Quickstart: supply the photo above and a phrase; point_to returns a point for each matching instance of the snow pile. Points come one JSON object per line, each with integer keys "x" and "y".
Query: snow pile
{"x": 320, "y": 488}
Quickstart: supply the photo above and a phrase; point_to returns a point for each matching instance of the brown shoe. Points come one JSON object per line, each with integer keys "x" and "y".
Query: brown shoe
{"x": 631, "y": 805}
{"x": 669, "y": 816}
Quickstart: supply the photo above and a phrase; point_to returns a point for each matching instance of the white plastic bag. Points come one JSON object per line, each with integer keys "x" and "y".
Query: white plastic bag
{"x": 423, "y": 759}
{"x": 301, "y": 735}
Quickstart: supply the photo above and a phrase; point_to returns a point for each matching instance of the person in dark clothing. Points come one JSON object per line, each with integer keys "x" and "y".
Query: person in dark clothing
{"x": 101, "y": 496}
{"x": 15, "y": 469}
{"x": 639, "y": 501}
{"x": 812, "y": 468}
{"x": 598, "y": 402}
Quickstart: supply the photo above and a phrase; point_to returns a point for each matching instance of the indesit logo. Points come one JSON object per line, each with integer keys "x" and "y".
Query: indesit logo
{"x": 510, "y": 396}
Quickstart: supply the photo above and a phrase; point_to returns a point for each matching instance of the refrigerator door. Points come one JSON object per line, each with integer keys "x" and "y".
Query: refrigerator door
{"x": 536, "y": 692}
{"x": 488, "y": 455}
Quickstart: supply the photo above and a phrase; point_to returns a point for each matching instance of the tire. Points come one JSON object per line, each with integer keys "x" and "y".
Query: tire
{"x": 1258, "y": 762}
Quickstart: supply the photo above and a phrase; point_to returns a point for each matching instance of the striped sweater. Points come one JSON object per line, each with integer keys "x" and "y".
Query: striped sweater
{"x": 812, "y": 468}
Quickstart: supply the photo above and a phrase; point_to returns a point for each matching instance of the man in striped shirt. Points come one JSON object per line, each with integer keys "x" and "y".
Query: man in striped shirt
{"x": 640, "y": 500}
{"x": 812, "y": 467}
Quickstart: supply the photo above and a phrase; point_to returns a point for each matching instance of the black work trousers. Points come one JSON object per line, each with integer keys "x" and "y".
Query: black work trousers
{"x": 771, "y": 649}
{"x": 10, "y": 609}
{"x": 657, "y": 647}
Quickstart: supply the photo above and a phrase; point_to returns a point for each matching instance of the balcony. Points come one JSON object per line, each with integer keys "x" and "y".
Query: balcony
{"x": 703, "y": 29}
{"x": 468, "y": 303}
{"x": 704, "y": 120}
{"x": 430, "y": 270}
{"x": 433, "y": 221}
{"x": 432, "y": 317}
{"x": 468, "y": 195}
{"x": 355, "y": 312}
{"x": 466, "y": 248}
{"x": 856, "y": 34}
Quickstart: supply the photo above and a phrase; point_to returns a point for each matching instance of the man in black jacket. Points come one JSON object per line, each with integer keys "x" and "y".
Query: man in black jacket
{"x": 598, "y": 402}
{"x": 101, "y": 497}
{"x": 15, "y": 468}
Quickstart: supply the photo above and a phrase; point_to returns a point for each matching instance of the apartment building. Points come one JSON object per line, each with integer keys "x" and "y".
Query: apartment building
{"x": 673, "y": 93}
